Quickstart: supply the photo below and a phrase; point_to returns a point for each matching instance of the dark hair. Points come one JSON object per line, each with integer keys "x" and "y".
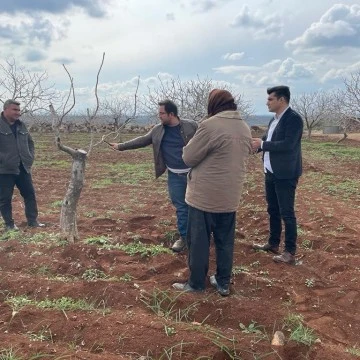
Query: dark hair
{"x": 280, "y": 91}
{"x": 170, "y": 106}
{"x": 220, "y": 100}
{"x": 9, "y": 102}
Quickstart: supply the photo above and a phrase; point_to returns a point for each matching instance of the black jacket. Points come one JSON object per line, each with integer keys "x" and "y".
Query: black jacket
{"x": 285, "y": 146}
{"x": 15, "y": 150}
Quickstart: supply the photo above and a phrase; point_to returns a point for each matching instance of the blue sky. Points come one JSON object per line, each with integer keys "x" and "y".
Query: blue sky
{"x": 308, "y": 45}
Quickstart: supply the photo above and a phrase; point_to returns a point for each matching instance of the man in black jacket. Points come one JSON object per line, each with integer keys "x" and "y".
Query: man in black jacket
{"x": 16, "y": 159}
{"x": 281, "y": 147}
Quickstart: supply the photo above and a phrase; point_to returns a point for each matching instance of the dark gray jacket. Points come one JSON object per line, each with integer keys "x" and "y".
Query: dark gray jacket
{"x": 15, "y": 150}
{"x": 154, "y": 137}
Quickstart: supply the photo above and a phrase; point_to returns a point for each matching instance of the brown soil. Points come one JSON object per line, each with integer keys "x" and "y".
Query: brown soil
{"x": 323, "y": 287}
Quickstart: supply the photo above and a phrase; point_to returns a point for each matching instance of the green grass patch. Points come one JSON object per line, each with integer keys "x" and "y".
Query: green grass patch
{"x": 298, "y": 331}
{"x": 334, "y": 185}
{"x": 327, "y": 151}
{"x": 132, "y": 174}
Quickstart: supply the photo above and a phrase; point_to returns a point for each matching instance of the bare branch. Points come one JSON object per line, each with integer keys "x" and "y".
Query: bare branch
{"x": 129, "y": 119}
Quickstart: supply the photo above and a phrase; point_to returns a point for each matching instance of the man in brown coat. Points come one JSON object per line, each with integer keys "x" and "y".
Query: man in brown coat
{"x": 217, "y": 155}
{"x": 168, "y": 139}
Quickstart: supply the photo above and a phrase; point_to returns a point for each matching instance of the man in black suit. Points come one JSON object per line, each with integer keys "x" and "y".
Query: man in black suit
{"x": 281, "y": 147}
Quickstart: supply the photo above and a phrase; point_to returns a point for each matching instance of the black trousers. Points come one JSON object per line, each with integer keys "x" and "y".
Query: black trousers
{"x": 280, "y": 197}
{"x": 23, "y": 182}
{"x": 200, "y": 226}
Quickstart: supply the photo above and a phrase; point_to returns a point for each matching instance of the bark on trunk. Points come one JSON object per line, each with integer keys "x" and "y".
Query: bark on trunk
{"x": 345, "y": 135}
{"x": 68, "y": 224}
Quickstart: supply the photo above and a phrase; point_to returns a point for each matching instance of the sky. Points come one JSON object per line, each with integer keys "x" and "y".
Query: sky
{"x": 308, "y": 45}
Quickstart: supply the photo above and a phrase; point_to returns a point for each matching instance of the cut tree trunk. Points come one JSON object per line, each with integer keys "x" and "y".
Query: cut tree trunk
{"x": 68, "y": 224}
{"x": 345, "y": 135}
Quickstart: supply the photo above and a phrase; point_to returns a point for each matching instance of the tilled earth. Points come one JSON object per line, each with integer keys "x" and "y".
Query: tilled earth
{"x": 135, "y": 313}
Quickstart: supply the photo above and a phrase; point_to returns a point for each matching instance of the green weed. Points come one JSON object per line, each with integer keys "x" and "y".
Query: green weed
{"x": 238, "y": 269}
{"x": 353, "y": 351}
{"x": 139, "y": 248}
{"x": 93, "y": 275}
{"x": 298, "y": 331}
{"x": 163, "y": 304}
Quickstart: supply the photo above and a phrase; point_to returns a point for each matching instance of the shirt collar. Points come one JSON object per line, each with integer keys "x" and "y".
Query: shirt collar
{"x": 279, "y": 117}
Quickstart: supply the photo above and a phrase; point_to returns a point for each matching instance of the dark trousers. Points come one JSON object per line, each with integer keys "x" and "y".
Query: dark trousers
{"x": 23, "y": 182}
{"x": 280, "y": 197}
{"x": 200, "y": 226}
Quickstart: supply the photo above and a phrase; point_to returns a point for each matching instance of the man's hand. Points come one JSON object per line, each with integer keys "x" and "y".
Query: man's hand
{"x": 256, "y": 144}
{"x": 114, "y": 146}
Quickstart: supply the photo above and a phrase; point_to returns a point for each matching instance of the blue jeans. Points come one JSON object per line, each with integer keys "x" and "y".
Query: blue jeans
{"x": 177, "y": 189}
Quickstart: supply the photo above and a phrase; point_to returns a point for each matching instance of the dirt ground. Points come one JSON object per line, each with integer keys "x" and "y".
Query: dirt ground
{"x": 323, "y": 287}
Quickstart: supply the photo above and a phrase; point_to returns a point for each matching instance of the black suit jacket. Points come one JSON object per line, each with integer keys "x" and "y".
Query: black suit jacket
{"x": 285, "y": 146}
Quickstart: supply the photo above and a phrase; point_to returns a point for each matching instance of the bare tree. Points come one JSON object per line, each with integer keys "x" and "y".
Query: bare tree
{"x": 339, "y": 114}
{"x": 29, "y": 88}
{"x": 314, "y": 108}
{"x": 351, "y": 95}
{"x": 190, "y": 96}
{"x": 68, "y": 224}
{"x": 118, "y": 108}
{"x": 116, "y": 133}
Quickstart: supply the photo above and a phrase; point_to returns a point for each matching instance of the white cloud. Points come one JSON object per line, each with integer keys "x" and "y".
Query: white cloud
{"x": 170, "y": 16}
{"x": 234, "y": 69}
{"x": 342, "y": 73}
{"x": 233, "y": 56}
{"x": 339, "y": 27}
{"x": 261, "y": 26}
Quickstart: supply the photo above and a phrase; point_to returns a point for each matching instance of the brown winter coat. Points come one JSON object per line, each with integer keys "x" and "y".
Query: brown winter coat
{"x": 217, "y": 155}
{"x": 154, "y": 137}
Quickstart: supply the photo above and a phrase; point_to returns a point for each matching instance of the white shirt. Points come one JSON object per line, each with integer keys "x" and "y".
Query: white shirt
{"x": 267, "y": 164}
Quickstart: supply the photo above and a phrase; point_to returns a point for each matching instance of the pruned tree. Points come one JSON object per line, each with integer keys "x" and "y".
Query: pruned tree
{"x": 339, "y": 113}
{"x": 68, "y": 223}
{"x": 190, "y": 96}
{"x": 31, "y": 89}
{"x": 129, "y": 118}
{"x": 351, "y": 95}
{"x": 118, "y": 108}
{"x": 313, "y": 107}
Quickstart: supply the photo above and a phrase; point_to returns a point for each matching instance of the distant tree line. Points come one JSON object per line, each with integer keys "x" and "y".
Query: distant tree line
{"x": 318, "y": 109}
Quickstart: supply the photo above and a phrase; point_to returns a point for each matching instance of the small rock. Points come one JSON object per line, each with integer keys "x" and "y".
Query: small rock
{"x": 278, "y": 339}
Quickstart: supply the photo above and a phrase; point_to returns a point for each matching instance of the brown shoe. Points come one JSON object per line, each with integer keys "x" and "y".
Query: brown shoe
{"x": 266, "y": 247}
{"x": 285, "y": 257}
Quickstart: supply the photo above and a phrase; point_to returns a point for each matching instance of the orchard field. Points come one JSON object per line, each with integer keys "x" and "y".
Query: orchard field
{"x": 109, "y": 295}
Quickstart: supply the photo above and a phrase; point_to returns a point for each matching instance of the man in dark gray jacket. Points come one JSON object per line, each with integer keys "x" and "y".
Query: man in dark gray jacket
{"x": 168, "y": 139}
{"x": 16, "y": 158}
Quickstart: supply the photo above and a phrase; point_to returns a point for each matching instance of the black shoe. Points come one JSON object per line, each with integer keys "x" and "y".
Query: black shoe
{"x": 223, "y": 291}
{"x": 266, "y": 247}
{"x": 285, "y": 258}
{"x": 179, "y": 245}
{"x": 11, "y": 227}
{"x": 185, "y": 287}
{"x": 35, "y": 224}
